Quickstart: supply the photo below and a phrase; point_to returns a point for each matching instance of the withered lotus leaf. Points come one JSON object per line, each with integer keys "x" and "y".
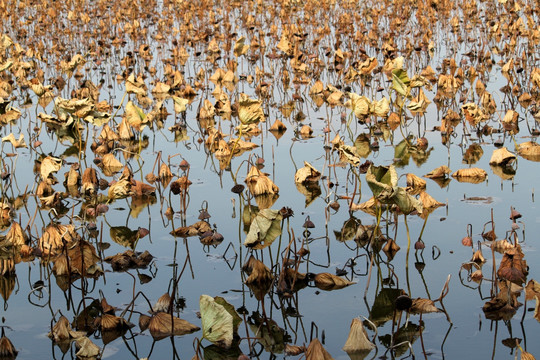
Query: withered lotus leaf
{"x": 257, "y": 271}
{"x": 278, "y": 126}
{"x": 16, "y": 236}
{"x": 415, "y": 185}
{"x": 219, "y": 320}
{"x": 258, "y": 183}
{"x": 423, "y": 306}
{"x": 529, "y": 150}
{"x": 49, "y": 165}
{"x": 470, "y": 175}
{"x": 532, "y": 290}
{"x": 122, "y": 188}
{"x": 307, "y": 174}
{"x": 89, "y": 181}
{"x": 513, "y": 267}
{"x": 357, "y": 341}
{"x": 135, "y": 116}
{"x": 428, "y": 202}
{"x": 250, "y": 110}
{"x": 16, "y": 143}
{"x": 439, "y": 172}
{"x": 129, "y": 260}
{"x": 163, "y": 325}
{"x": 264, "y": 229}
{"x": 111, "y": 165}
{"x": 144, "y": 321}
{"x": 135, "y": 86}
{"x": 391, "y": 248}
{"x": 53, "y": 238}
{"x": 316, "y": 351}
{"x": 87, "y": 349}
{"x": 502, "y": 157}
{"x": 162, "y": 304}
{"x": 164, "y": 172}
{"x": 294, "y": 350}
{"x": 7, "y": 350}
{"x": 327, "y": 281}
{"x": 62, "y": 331}
{"x": 108, "y": 322}
{"x": 526, "y": 356}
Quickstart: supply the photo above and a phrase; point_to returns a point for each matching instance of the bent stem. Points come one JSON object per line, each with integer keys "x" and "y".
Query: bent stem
{"x": 407, "y": 256}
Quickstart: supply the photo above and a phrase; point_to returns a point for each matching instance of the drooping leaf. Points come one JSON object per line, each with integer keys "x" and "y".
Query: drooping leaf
{"x": 327, "y": 281}
{"x": 163, "y": 325}
{"x": 316, "y": 351}
{"x": 357, "y": 341}
{"x": 218, "y": 321}
{"x": 264, "y": 229}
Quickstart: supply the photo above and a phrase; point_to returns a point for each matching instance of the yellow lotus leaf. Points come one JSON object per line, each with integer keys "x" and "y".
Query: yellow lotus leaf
{"x": 439, "y": 172}
{"x": 258, "y": 183}
{"x": 368, "y": 65}
{"x": 380, "y": 108}
{"x": 240, "y": 47}
{"x": 49, "y": 165}
{"x": 357, "y": 341}
{"x": 470, "y": 175}
{"x": 473, "y": 114}
{"x": 111, "y": 164}
{"x": 135, "y": 86}
{"x": 135, "y": 116}
{"x": 529, "y": 150}
{"x": 360, "y": 105}
{"x": 10, "y": 115}
{"x": 307, "y": 174}
{"x": 327, "y": 281}
{"x": 316, "y": 351}
{"x": 285, "y": 45}
{"x": 122, "y": 188}
{"x": 502, "y": 157}
{"x": 16, "y": 143}
{"x": 250, "y": 110}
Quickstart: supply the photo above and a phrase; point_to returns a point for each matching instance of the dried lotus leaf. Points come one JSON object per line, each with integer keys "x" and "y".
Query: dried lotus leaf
{"x": 470, "y": 175}
{"x": 307, "y": 174}
{"x": 327, "y": 281}
{"x": 502, "y": 157}
{"x": 163, "y": 325}
{"x": 439, "y": 172}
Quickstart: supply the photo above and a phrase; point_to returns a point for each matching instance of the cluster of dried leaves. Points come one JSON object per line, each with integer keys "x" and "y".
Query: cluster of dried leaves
{"x": 222, "y": 76}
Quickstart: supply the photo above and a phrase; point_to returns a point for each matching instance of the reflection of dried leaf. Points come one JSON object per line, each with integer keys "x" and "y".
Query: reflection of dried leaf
{"x": 327, "y": 281}
{"x": 16, "y": 143}
{"x": 428, "y": 202}
{"x": 87, "y": 349}
{"x": 357, "y": 340}
{"x": 7, "y": 350}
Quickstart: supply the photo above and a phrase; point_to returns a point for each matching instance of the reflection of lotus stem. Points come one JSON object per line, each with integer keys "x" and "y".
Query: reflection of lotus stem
{"x": 407, "y": 256}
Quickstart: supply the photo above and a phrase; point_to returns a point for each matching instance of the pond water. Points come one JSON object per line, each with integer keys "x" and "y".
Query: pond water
{"x": 306, "y": 60}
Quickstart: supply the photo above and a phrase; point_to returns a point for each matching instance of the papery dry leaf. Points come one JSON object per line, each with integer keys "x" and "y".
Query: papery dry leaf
{"x": 305, "y": 131}
{"x": 162, "y": 304}
{"x": 415, "y": 185}
{"x": 439, "y": 172}
{"x": 49, "y": 165}
{"x": 219, "y": 320}
{"x": 428, "y": 202}
{"x": 294, "y": 350}
{"x": 16, "y": 236}
{"x": 529, "y": 150}
{"x": 327, "y": 281}
{"x": 89, "y": 181}
{"x": 62, "y": 331}
{"x": 257, "y": 271}
{"x": 513, "y": 267}
{"x": 135, "y": 86}
{"x": 502, "y": 157}
{"x": 258, "y": 183}
{"x": 163, "y": 325}
{"x": 122, "y": 188}
{"x": 532, "y": 290}
{"x": 307, "y": 174}
{"x": 315, "y": 351}
{"x": 470, "y": 175}
{"x": 16, "y": 143}
{"x": 87, "y": 349}
{"x": 250, "y": 110}
{"x": 423, "y": 306}
{"x": 111, "y": 164}
{"x": 357, "y": 341}
{"x": 55, "y": 236}
{"x": 526, "y": 356}
{"x": 7, "y": 350}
